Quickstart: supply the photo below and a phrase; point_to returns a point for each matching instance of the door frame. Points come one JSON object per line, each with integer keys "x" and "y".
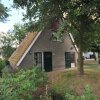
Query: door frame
{"x": 66, "y": 60}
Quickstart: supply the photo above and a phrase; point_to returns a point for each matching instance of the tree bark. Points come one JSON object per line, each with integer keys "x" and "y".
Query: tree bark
{"x": 81, "y": 46}
{"x": 98, "y": 57}
{"x": 80, "y": 61}
{"x": 94, "y": 56}
{"x": 80, "y": 52}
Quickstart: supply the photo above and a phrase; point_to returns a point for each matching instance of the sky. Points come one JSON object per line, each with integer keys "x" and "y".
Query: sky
{"x": 15, "y": 16}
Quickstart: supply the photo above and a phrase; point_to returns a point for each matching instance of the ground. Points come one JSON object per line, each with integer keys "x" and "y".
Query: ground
{"x": 69, "y": 80}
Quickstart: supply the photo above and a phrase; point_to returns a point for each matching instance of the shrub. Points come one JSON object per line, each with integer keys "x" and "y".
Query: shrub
{"x": 22, "y": 84}
{"x": 2, "y": 65}
{"x": 87, "y": 95}
{"x": 56, "y": 95}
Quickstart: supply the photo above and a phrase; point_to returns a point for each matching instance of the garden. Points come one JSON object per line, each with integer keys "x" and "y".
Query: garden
{"x": 33, "y": 84}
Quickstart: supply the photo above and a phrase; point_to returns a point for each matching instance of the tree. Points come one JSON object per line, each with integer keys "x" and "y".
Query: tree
{"x": 3, "y": 13}
{"x": 19, "y": 32}
{"x": 8, "y": 42}
{"x": 80, "y": 18}
{"x": 95, "y": 44}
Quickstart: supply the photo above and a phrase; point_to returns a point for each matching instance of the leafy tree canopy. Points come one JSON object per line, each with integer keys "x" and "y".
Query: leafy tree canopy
{"x": 3, "y": 13}
{"x": 19, "y": 31}
{"x": 95, "y": 44}
{"x": 79, "y": 17}
{"x": 8, "y": 43}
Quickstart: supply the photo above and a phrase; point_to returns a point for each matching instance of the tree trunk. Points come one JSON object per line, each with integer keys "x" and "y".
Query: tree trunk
{"x": 94, "y": 56}
{"x": 98, "y": 57}
{"x": 81, "y": 46}
{"x": 80, "y": 61}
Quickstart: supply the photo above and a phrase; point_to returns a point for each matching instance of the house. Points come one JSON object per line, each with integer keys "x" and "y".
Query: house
{"x": 38, "y": 48}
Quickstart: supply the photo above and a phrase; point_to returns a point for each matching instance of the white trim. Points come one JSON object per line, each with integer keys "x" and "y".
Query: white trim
{"x": 73, "y": 41}
{"x": 34, "y": 40}
{"x": 42, "y": 61}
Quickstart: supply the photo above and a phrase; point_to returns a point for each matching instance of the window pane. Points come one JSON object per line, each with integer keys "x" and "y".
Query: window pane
{"x": 38, "y": 58}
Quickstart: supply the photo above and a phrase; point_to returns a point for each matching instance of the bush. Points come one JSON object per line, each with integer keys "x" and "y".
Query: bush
{"x": 22, "y": 84}
{"x": 57, "y": 96}
{"x": 2, "y": 65}
{"x": 87, "y": 95}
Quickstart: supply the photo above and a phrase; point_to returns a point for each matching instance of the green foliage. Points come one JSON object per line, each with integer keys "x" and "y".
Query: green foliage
{"x": 8, "y": 42}
{"x": 80, "y": 15}
{"x": 19, "y": 32}
{"x": 7, "y": 50}
{"x": 21, "y": 85}
{"x": 95, "y": 44}
{"x": 57, "y": 96}
{"x": 64, "y": 85}
{"x": 69, "y": 75}
{"x": 76, "y": 11}
{"x": 2, "y": 65}
{"x": 87, "y": 95}
{"x": 3, "y": 13}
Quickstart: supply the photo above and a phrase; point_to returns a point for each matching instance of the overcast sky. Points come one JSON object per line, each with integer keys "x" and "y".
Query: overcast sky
{"x": 15, "y": 17}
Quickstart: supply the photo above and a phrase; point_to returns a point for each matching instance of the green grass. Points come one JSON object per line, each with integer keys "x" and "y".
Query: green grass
{"x": 92, "y": 65}
{"x": 72, "y": 82}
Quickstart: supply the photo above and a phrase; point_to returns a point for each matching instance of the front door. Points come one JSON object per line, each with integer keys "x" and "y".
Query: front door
{"x": 67, "y": 60}
{"x": 48, "y": 61}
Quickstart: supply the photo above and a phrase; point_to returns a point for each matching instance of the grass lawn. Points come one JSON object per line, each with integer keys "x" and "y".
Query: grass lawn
{"x": 69, "y": 80}
{"x": 92, "y": 65}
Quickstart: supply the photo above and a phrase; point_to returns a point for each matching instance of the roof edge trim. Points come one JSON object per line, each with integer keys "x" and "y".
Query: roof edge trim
{"x": 75, "y": 46}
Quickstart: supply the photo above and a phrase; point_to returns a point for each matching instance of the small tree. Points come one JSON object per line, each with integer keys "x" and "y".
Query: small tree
{"x": 2, "y": 65}
{"x": 95, "y": 43}
{"x": 8, "y": 43}
{"x": 20, "y": 32}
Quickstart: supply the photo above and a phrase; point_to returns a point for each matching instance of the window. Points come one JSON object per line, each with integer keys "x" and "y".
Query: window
{"x": 56, "y": 37}
{"x": 38, "y": 58}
